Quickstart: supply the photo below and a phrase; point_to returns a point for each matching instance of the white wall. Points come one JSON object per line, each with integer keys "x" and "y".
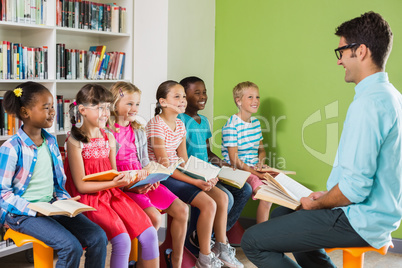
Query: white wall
{"x": 173, "y": 39}
{"x": 150, "y": 50}
{"x": 191, "y": 43}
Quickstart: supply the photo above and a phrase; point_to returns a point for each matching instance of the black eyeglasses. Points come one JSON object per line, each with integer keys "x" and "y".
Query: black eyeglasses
{"x": 338, "y": 51}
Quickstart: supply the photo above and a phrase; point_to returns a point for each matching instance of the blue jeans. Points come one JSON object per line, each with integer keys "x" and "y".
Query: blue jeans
{"x": 304, "y": 233}
{"x": 67, "y": 236}
{"x": 237, "y": 200}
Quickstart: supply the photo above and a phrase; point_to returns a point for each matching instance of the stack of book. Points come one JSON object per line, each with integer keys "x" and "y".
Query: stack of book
{"x": 94, "y": 64}
{"x": 24, "y": 11}
{"x": 21, "y": 62}
{"x": 90, "y": 15}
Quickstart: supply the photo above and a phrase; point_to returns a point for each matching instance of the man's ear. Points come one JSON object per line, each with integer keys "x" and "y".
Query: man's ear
{"x": 24, "y": 112}
{"x": 363, "y": 52}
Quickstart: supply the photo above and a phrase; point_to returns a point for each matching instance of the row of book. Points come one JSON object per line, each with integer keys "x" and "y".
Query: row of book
{"x": 24, "y": 11}
{"x": 21, "y": 62}
{"x": 94, "y": 64}
{"x": 90, "y": 15}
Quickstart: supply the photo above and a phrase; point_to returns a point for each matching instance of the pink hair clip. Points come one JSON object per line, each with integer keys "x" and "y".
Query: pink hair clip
{"x": 75, "y": 103}
{"x": 121, "y": 93}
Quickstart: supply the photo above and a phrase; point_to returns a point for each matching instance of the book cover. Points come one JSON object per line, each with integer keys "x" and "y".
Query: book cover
{"x": 102, "y": 176}
{"x": 157, "y": 172}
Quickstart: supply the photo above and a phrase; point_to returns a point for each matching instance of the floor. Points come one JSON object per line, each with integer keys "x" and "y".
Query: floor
{"x": 372, "y": 260}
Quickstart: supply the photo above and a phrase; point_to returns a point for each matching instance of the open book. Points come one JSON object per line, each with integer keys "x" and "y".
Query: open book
{"x": 101, "y": 176}
{"x": 271, "y": 169}
{"x": 157, "y": 172}
{"x": 60, "y": 207}
{"x": 199, "y": 169}
{"x": 283, "y": 191}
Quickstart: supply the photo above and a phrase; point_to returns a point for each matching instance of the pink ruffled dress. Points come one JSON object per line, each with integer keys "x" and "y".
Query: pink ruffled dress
{"x": 127, "y": 159}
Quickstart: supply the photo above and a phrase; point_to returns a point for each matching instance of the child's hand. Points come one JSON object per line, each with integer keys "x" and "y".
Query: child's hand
{"x": 143, "y": 189}
{"x": 142, "y": 174}
{"x": 75, "y": 198}
{"x": 260, "y": 166}
{"x": 203, "y": 185}
{"x": 155, "y": 185}
{"x": 213, "y": 181}
{"x": 123, "y": 179}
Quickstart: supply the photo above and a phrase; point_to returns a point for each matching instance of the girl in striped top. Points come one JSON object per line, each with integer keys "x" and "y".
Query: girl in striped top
{"x": 166, "y": 143}
{"x": 242, "y": 145}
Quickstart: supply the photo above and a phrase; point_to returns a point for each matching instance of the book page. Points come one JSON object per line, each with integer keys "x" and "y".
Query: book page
{"x": 47, "y": 209}
{"x": 155, "y": 167}
{"x": 237, "y": 177}
{"x": 72, "y": 207}
{"x": 292, "y": 187}
{"x": 200, "y": 167}
{"x": 270, "y": 169}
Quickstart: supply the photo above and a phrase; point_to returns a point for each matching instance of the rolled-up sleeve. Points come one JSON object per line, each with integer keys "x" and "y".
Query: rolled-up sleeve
{"x": 359, "y": 147}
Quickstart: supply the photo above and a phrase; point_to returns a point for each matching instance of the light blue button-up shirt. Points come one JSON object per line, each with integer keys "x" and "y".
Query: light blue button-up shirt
{"x": 368, "y": 165}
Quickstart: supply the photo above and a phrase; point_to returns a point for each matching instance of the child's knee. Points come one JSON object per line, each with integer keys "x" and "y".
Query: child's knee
{"x": 209, "y": 206}
{"x": 155, "y": 216}
{"x": 181, "y": 212}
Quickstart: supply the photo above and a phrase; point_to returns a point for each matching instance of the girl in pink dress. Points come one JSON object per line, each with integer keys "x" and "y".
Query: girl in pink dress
{"x": 133, "y": 155}
{"x": 91, "y": 150}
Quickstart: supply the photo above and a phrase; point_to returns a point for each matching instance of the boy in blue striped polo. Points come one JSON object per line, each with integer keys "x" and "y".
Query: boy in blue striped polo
{"x": 242, "y": 145}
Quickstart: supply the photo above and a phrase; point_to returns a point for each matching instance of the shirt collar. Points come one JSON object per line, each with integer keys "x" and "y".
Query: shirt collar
{"x": 380, "y": 77}
{"x": 27, "y": 140}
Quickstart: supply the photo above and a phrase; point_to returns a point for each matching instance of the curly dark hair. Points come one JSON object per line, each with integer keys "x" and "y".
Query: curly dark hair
{"x": 373, "y": 31}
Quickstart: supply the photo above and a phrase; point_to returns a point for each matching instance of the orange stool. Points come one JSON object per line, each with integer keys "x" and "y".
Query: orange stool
{"x": 134, "y": 250}
{"x": 354, "y": 257}
{"x": 43, "y": 254}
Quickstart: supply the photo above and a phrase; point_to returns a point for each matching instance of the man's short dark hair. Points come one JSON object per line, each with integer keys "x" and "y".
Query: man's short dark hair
{"x": 373, "y": 31}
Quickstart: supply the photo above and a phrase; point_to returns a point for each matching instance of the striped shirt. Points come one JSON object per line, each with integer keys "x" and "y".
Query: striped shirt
{"x": 157, "y": 128}
{"x": 243, "y": 135}
{"x": 18, "y": 156}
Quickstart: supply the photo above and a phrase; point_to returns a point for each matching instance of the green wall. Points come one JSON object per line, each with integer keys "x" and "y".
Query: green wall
{"x": 287, "y": 48}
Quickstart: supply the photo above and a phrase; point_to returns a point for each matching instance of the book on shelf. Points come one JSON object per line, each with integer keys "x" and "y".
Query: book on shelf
{"x": 199, "y": 169}
{"x": 101, "y": 176}
{"x": 24, "y": 11}
{"x": 21, "y": 62}
{"x": 283, "y": 190}
{"x": 91, "y": 15}
{"x": 60, "y": 207}
{"x": 94, "y": 64}
{"x": 157, "y": 172}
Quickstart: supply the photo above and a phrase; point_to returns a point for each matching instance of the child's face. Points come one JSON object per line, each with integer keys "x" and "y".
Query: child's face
{"x": 127, "y": 106}
{"x": 41, "y": 114}
{"x": 175, "y": 100}
{"x": 250, "y": 101}
{"x": 96, "y": 115}
{"x": 197, "y": 96}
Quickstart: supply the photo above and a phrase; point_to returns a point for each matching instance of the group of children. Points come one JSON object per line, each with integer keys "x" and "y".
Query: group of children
{"x": 105, "y": 135}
